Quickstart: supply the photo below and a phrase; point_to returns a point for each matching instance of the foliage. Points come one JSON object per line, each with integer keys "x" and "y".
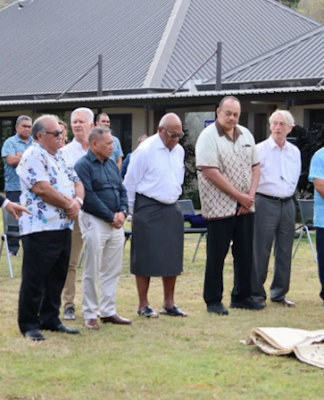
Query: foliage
{"x": 312, "y": 8}
{"x": 289, "y": 3}
{"x": 308, "y": 141}
{"x": 190, "y": 181}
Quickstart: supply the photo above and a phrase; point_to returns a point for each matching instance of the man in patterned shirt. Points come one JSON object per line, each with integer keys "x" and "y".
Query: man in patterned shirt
{"x": 53, "y": 193}
{"x": 228, "y": 176}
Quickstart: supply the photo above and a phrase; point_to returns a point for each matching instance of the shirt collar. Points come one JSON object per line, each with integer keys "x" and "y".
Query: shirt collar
{"x": 273, "y": 144}
{"x": 19, "y": 140}
{"x": 77, "y": 144}
{"x": 93, "y": 157}
{"x": 221, "y": 132}
{"x": 161, "y": 145}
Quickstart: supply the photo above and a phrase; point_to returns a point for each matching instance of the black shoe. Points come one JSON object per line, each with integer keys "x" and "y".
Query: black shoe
{"x": 62, "y": 328}
{"x": 34, "y": 334}
{"x": 247, "y": 304}
{"x": 217, "y": 308}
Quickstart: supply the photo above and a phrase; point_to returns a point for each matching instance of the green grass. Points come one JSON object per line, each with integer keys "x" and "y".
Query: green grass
{"x": 199, "y": 357}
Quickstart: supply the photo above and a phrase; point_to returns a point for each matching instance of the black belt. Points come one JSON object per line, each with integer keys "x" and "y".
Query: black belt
{"x": 280, "y": 199}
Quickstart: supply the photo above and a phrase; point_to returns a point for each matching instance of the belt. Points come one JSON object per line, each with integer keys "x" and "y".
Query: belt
{"x": 280, "y": 199}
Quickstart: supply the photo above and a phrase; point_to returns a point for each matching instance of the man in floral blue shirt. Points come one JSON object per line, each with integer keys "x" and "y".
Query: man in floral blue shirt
{"x": 53, "y": 193}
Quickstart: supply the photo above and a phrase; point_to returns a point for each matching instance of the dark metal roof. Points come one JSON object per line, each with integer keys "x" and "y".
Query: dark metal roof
{"x": 302, "y": 58}
{"x": 48, "y": 44}
{"x": 247, "y": 29}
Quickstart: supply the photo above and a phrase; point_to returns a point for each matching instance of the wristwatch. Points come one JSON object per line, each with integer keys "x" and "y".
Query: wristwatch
{"x": 79, "y": 200}
{"x": 124, "y": 212}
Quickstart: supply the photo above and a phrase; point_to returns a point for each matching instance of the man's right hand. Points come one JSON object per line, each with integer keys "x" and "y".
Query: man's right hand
{"x": 72, "y": 210}
{"x": 246, "y": 200}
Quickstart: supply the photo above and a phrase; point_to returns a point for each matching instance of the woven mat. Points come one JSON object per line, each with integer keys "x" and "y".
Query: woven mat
{"x": 308, "y": 346}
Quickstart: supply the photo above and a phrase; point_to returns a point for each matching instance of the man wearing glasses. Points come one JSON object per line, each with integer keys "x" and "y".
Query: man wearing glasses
{"x": 153, "y": 182}
{"x": 53, "y": 194}
{"x": 280, "y": 166}
{"x": 12, "y": 151}
{"x": 228, "y": 175}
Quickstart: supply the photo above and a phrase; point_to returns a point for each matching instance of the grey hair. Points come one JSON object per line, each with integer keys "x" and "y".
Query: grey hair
{"x": 96, "y": 133}
{"x": 22, "y": 118}
{"x": 286, "y": 115}
{"x": 85, "y": 110}
{"x": 141, "y": 138}
{"x": 39, "y": 126}
{"x": 220, "y": 105}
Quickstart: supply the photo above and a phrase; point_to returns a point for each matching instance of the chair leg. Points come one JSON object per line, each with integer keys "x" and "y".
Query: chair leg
{"x": 299, "y": 239}
{"x": 198, "y": 243}
{"x": 311, "y": 244}
{"x": 8, "y": 256}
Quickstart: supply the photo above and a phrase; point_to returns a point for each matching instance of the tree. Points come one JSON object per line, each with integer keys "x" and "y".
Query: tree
{"x": 289, "y": 3}
{"x": 312, "y": 8}
{"x": 308, "y": 141}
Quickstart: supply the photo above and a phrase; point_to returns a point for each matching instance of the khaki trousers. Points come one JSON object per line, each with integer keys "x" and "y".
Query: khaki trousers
{"x": 104, "y": 248}
{"x": 76, "y": 247}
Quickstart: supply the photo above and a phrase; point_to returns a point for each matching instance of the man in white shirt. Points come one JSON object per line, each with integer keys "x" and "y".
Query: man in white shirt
{"x": 280, "y": 166}
{"x": 81, "y": 123}
{"x": 53, "y": 193}
{"x": 153, "y": 182}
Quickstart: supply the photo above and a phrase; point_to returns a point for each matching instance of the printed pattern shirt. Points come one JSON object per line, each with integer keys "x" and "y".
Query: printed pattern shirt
{"x": 233, "y": 158}
{"x": 37, "y": 165}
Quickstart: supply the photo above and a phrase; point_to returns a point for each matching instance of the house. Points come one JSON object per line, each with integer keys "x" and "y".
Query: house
{"x": 272, "y": 57}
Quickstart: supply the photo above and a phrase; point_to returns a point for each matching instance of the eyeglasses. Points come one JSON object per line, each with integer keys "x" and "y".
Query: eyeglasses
{"x": 56, "y": 133}
{"x": 174, "y": 135}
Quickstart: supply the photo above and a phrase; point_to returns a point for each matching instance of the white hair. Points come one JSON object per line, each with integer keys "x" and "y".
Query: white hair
{"x": 286, "y": 115}
{"x": 85, "y": 110}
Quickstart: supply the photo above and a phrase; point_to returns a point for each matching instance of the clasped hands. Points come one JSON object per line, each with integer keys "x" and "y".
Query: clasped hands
{"x": 246, "y": 201}
{"x": 72, "y": 210}
{"x": 119, "y": 219}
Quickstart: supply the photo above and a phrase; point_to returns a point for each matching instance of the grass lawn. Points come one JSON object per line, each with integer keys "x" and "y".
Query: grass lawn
{"x": 199, "y": 357}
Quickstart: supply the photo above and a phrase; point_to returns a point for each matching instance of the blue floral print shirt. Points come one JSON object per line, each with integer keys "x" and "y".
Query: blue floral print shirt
{"x": 37, "y": 165}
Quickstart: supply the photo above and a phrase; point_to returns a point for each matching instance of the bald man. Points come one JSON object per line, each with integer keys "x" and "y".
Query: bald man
{"x": 153, "y": 182}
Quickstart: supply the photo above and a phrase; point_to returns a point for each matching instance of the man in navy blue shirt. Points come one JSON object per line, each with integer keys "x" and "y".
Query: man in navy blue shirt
{"x": 101, "y": 222}
{"x": 12, "y": 151}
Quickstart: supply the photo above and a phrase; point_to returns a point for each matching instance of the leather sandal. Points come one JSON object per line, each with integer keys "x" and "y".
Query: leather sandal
{"x": 175, "y": 311}
{"x": 148, "y": 312}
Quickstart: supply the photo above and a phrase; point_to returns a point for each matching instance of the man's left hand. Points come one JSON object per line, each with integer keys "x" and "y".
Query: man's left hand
{"x": 72, "y": 211}
{"x": 16, "y": 210}
{"x": 242, "y": 211}
{"x": 119, "y": 220}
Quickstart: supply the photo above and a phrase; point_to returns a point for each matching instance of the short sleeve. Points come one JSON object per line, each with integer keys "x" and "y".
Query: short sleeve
{"x": 317, "y": 167}
{"x": 206, "y": 150}
{"x": 119, "y": 151}
{"x": 255, "y": 155}
{"x": 33, "y": 169}
{"x": 8, "y": 149}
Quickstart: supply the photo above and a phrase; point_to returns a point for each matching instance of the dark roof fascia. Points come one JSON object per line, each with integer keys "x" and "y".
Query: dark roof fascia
{"x": 167, "y": 100}
{"x": 264, "y": 84}
{"x": 71, "y": 95}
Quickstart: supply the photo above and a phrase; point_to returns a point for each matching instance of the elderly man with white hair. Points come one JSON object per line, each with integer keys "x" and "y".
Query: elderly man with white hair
{"x": 280, "y": 166}
{"x": 81, "y": 123}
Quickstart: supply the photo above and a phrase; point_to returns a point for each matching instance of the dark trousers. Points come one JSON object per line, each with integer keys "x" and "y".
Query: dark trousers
{"x": 220, "y": 232}
{"x": 320, "y": 257}
{"x": 45, "y": 265}
{"x": 13, "y": 244}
